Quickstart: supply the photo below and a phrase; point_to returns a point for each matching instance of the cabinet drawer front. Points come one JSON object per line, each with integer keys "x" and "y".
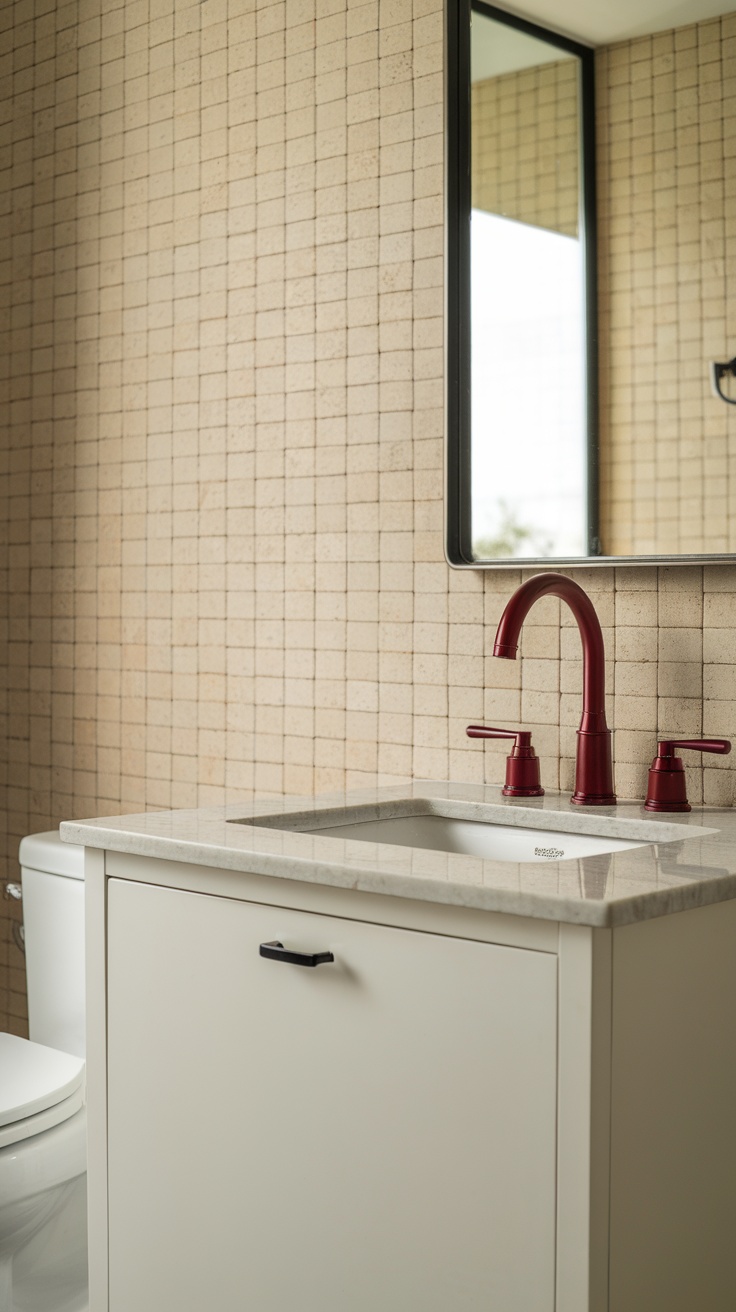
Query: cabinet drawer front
{"x": 374, "y": 1134}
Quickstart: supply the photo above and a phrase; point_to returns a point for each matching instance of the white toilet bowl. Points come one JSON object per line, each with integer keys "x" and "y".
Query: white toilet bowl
{"x": 43, "y": 1256}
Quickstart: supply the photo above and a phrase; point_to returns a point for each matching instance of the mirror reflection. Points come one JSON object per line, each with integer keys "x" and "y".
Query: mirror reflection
{"x": 529, "y": 443}
{"x": 591, "y": 335}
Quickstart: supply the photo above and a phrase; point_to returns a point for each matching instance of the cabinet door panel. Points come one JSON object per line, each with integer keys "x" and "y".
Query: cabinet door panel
{"x": 373, "y": 1135}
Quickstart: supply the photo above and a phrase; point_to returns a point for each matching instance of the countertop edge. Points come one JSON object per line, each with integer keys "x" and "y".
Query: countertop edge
{"x": 591, "y": 913}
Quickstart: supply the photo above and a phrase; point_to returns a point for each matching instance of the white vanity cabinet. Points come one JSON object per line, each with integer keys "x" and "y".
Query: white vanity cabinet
{"x": 463, "y": 1112}
{"x": 374, "y": 1133}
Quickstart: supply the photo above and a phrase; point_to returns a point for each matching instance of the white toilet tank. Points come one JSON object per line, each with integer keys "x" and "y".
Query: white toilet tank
{"x": 53, "y": 916}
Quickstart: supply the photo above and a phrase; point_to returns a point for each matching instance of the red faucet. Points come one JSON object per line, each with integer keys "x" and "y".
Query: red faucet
{"x": 593, "y": 768}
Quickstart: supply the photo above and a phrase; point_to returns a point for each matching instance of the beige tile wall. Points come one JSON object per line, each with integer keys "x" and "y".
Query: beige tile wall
{"x": 221, "y": 314}
{"x": 524, "y": 138}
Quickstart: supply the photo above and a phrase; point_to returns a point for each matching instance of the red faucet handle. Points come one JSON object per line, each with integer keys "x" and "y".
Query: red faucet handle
{"x": 666, "y": 747}
{"x": 523, "y": 736}
{"x": 522, "y": 765}
{"x": 666, "y": 790}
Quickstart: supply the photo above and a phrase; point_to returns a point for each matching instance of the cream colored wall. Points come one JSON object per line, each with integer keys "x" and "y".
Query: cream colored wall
{"x": 222, "y": 436}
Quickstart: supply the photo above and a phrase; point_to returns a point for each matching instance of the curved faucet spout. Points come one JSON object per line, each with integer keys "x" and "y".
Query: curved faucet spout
{"x": 594, "y": 769}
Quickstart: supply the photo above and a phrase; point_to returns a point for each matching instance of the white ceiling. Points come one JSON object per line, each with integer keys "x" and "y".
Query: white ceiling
{"x": 598, "y": 22}
{"x": 496, "y": 49}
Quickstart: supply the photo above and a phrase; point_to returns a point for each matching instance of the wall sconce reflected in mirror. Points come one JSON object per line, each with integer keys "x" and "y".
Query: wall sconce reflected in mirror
{"x": 717, "y": 373}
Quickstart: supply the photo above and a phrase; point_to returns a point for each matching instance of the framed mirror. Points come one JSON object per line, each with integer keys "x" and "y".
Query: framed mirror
{"x": 537, "y": 471}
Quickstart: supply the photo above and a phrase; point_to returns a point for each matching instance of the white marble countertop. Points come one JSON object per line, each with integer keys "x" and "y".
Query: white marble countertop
{"x": 689, "y": 860}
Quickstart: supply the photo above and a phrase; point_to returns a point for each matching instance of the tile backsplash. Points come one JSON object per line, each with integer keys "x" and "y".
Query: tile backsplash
{"x": 222, "y": 325}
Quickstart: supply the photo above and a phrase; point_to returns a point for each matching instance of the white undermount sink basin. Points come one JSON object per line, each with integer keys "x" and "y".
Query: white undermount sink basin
{"x": 469, "y": 830}
{"x": 476, "y": 838}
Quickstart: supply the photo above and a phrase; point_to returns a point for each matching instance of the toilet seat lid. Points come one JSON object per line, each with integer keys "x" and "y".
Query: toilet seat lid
{"x": 33, "y": 1077}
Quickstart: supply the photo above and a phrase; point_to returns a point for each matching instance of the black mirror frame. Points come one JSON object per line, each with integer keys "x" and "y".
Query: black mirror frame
{"x": 457, "y": 280}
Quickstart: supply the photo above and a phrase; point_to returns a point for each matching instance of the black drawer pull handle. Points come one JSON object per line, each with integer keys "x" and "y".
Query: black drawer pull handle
{"x": 277, "y": 952}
